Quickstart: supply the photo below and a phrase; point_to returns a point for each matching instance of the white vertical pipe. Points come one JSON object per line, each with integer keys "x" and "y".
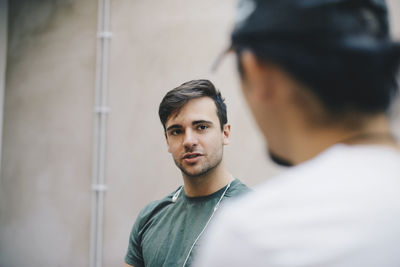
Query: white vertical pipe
{"x": 3, "y": 63}
{"x": 100, "y": 129}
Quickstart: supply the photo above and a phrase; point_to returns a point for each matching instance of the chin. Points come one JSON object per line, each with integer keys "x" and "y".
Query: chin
{"x": 199, "y": 172}
{"x": 195, "y": 174}
{"x": 279, "y": 160}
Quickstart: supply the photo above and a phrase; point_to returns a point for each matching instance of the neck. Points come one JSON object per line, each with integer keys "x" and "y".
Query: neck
{"x": 308, "y": 143}
{"x": 206, "y": 184}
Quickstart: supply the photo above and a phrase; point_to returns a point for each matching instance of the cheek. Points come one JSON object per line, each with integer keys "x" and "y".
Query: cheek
{"x": 215, "y": 143}
{"x": 248, "y": 95}
{"x": 253, "y": 100}
{"x": 173, "y": 148}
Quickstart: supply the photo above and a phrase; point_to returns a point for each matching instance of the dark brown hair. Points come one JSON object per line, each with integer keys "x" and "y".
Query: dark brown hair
{"x": 175, "y": 99}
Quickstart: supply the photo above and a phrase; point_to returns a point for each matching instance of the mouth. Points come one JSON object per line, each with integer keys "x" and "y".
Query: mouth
{"x": 192, "y": 158}
{"x": 191, "y": 155}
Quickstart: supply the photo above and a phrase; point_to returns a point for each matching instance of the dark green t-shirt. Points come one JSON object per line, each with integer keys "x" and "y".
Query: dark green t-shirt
{"x": 165, "y": 230}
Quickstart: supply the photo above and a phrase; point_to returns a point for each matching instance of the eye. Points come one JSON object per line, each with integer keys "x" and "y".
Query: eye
{"x": 202, "y": 127}
{"x": 175, "y": 132}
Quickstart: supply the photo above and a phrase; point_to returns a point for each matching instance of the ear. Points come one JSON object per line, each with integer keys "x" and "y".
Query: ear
{"x": 226, "y": 134}
{"x": 259, "y": 77}
{"x": 166, "y": 140}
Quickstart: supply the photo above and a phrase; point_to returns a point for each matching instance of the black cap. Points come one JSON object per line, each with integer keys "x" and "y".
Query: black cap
{"x": 340, "y": 49}
{"x": 349, "y": 24}
{"x": 362, "y": 24}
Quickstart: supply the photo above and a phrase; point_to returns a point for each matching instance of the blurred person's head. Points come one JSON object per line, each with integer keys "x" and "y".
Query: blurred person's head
{"x": 196, "y": 127}
{"x": 312, "y": 67}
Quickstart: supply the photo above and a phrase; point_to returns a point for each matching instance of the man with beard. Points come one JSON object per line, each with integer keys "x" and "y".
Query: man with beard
{"x": 167, "y": 231}
{"x": 319, "y": 77}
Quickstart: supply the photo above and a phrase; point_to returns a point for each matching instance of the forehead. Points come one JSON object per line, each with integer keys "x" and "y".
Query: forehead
{"x": 202, "y": 108}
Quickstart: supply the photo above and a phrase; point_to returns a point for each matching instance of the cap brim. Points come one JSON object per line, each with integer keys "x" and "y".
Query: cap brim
{"x": 220, "y": 57}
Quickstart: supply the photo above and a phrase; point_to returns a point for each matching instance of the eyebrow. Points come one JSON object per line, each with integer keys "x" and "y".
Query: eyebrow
{"x": 201, "y": 121}
{"x": 174, "y": 126}
{"x": 178, "y": 126}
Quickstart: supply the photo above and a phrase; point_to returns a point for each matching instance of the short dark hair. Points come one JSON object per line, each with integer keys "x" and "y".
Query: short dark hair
{"x": 175, "y": 99}
{"x": 342, "y": 80}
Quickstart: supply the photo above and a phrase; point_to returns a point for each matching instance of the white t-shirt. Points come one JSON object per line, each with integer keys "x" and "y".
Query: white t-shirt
{"x": 340, "y": 209}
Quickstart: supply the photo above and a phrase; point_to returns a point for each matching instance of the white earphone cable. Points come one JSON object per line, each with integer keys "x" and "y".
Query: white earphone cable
{"x": 209, "y": 219}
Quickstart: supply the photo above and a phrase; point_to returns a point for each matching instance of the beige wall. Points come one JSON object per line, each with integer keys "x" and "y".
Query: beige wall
{"x": 47, "y": 143}
{"x": 162, "y": 45}
{"x": 45, "y": 182}
{"x": 3, "y": 60}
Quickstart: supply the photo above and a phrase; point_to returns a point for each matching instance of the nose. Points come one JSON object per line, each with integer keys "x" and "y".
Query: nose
{"x": 190, "y": 139}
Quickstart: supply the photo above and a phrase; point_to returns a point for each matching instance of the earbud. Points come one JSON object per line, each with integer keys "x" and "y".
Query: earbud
{"x": 176, "y": 195}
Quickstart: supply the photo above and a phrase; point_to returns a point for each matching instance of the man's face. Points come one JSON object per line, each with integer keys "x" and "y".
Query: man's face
{"x": 194, "y": 137}
{"x": 263, "y": 102}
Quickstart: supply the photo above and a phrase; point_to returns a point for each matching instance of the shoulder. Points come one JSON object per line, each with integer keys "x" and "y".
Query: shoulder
{"x": 237, "y": 188}
{"x": 153, "y": 208}
{"x": 298, "y": 206}
{"x": 332, "y": 187}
